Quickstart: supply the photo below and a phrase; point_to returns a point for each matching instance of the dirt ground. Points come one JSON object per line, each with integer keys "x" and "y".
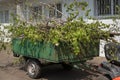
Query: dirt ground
{"x": 8, "y": 71}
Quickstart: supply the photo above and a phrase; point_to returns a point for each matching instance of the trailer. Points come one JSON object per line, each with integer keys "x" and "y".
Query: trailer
{"x": 39, "y": 53}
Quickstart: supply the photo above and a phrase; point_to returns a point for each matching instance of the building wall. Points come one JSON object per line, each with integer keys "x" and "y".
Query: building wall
{"x": 46, "y": 11}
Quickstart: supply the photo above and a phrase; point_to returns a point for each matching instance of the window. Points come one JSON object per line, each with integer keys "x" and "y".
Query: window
{"x": 1, "y": 17}
{"x": 52, "y": 11}
{"x": 55, "y": 10}
{"x": 59, "y": 7}
{"x": 36, "y": 13}
{"x": 4, "y": 16}
{"x": 116, "y": 3}
{"x": 107, "y": 7}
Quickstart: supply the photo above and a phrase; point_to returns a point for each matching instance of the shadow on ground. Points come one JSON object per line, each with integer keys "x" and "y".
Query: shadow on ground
{"x": 56, "y": 72}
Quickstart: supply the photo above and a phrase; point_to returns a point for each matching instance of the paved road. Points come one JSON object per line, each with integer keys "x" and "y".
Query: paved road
{"x": 53, "y": 72}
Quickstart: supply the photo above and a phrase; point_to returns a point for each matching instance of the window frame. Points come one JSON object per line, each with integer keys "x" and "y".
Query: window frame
{"x": 54, "y": 10}
{"x": 112, "y": 13}
{"x": 36, "y": 15}
{"x": 5, "y": 18}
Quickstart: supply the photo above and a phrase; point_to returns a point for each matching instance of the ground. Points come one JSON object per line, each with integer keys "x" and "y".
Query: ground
{"x": 11, "y": 71}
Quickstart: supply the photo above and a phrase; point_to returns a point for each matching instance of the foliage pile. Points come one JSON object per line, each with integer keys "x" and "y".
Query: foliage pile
{"x": 73, "y": 31}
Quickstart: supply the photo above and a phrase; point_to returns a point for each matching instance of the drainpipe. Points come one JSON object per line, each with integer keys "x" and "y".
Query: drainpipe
{"x": 112, "y": 7}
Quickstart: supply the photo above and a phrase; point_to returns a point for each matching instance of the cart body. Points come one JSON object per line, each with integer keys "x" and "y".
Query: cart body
{"x": 51, "y": 53}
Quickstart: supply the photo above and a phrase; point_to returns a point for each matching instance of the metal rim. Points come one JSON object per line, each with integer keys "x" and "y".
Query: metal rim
{"x": 31, "y": 69}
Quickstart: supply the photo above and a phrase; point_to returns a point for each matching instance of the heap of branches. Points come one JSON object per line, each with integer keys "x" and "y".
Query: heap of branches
{"x": 73, "y": 31}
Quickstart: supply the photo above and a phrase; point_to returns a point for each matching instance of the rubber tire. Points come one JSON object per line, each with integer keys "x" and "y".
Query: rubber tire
{"x": 37, "y": 68}
{"x": 67, "y": 66}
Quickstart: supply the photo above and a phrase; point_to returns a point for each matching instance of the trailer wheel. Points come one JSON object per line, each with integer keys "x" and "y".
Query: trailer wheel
{"x": 33, "y": 68}
{"x": 67, "y": 66}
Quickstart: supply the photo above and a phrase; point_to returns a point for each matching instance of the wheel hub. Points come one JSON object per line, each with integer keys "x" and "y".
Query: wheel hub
{"x": 31, "y": 69}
